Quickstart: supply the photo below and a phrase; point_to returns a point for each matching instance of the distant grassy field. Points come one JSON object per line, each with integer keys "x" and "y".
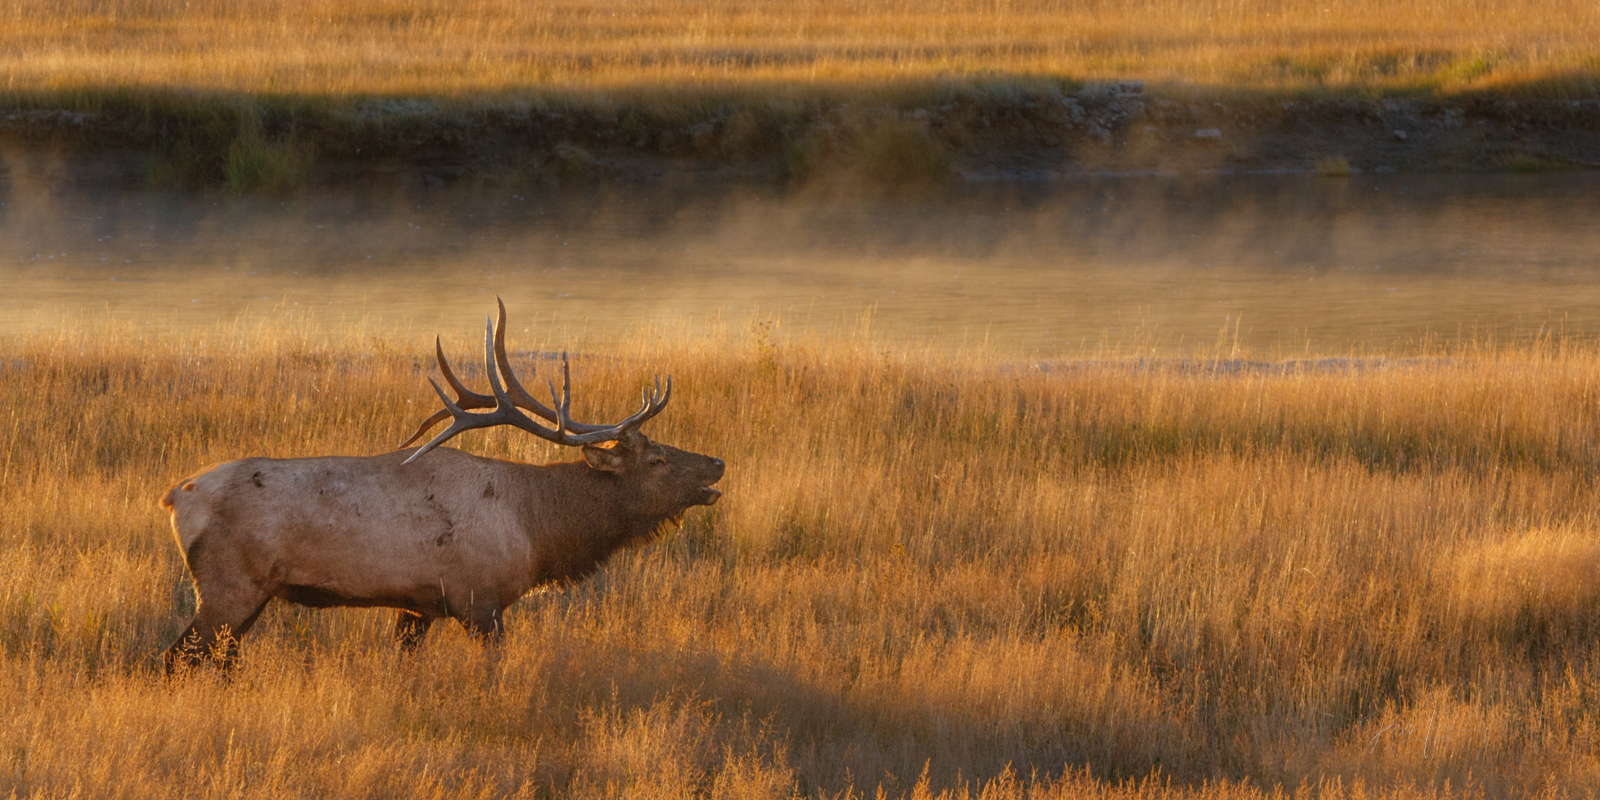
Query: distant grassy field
{"x": 275, "y": 94}
{"x": 924, "y": 572}
{"x": 508, "y": 50}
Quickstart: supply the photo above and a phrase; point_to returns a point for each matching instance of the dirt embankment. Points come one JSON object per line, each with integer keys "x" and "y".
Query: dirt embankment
{"x": 275, "y": 145}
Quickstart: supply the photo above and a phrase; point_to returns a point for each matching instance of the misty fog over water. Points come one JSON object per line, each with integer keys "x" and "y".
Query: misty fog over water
{"x": 1281, "y": 265}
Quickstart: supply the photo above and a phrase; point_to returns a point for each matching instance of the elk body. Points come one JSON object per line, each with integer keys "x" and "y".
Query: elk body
{"x": 433, "y": 533}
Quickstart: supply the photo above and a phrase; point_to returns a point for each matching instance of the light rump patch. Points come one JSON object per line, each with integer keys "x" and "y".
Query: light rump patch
{"x": 430, "y": 532}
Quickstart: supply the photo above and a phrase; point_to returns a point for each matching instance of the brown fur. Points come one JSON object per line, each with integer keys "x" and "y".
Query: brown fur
{"x": 450, "y": 535}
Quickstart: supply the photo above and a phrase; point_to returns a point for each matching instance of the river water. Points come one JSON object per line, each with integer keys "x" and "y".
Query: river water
{"x": 1274, "y": 266}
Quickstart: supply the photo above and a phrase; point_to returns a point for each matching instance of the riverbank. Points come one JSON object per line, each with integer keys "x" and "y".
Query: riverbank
{"x": 1036, "y": 131}
{"x": 277, "y": 94}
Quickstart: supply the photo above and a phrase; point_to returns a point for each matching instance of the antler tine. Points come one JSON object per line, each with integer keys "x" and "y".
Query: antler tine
{"x": 563, "y": 403}
{"x": 520, "y": 396}
{"x": 561, "y": 408}
{"x": 428, "y": 423}
{"x": 659, "y": 401}
{"x": 464, "y": 421}
{"x": 465, "y": 397}
{"x": 490, "y": 364}
{"x": 566, "y": 392}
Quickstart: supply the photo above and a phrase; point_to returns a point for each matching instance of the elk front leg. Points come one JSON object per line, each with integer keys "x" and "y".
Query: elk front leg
{"x": 486, "y": 624}
{"x": 409, "y": 628}
{"x": 215, "y": 632}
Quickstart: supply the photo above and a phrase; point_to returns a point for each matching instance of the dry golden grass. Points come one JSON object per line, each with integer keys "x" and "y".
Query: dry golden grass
{"x": 928, "y": 575}
{"x": 515, "y": 50}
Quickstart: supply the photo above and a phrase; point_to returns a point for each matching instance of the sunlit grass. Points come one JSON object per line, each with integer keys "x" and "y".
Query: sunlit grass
{"x": 508, "y": 51}
{"x": 924, "y": 568}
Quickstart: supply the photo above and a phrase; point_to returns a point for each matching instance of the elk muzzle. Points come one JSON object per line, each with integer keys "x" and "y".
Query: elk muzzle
{"x": 708, "y": 495}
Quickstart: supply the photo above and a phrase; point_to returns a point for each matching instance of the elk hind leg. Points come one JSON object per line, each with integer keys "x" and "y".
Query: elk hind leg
{"x": 409, "y": 628}
{"x": 215, "y": 633}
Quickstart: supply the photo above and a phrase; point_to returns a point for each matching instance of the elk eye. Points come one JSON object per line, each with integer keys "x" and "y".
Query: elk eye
{"x": 655, "y": 462}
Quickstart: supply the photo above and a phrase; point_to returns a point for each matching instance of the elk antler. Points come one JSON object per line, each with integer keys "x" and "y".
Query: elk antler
{"x": 511, "y": 396}
{"x": 468, "y": 399}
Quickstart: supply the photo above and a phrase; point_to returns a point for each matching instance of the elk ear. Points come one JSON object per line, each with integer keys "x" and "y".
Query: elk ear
{"x": 605, "y": 459}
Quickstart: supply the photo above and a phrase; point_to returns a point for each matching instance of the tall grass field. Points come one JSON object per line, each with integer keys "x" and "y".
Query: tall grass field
{"x": 503, "y": 51}
{"x": 930, "y": 576}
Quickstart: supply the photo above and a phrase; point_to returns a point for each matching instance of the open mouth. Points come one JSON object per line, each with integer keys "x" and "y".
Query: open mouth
{"x": 708, "y": 496}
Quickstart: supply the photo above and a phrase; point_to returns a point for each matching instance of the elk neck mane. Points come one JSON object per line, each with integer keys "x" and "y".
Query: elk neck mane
{"x": 589, "y": 532}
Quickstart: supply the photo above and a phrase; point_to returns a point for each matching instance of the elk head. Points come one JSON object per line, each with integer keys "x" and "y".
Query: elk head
{"x": 669, "y": 480}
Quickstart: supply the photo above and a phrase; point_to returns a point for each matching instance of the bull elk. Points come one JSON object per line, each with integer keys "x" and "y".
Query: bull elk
{"x": 446, "y": 535}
